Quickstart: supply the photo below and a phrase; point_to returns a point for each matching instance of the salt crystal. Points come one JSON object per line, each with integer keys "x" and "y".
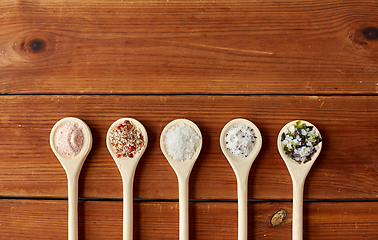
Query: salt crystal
{"x": 181, "y": 142}
{"x": 240, "y": 140}
{"x": 69, "y": 139}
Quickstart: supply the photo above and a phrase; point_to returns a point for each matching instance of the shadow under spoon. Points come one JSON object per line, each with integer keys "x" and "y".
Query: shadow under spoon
{"x": 182, "y": 170}
{"x": 127, "y": 167}
{"x": 72, "y": 166}
{"x": 241, "y": 167}
{"x": 298, "y": 173}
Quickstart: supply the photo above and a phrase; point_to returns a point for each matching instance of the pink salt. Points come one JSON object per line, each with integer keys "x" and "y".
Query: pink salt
{"x": 69, "y": 139}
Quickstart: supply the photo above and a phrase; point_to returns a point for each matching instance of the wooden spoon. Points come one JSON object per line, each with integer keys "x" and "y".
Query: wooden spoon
{"x": 182, "y": 170}
{"x": 298, "y": 173}
{"x": 127, "y": 167}
{"x": 241, "y": 167}
{"x": 72, "y": 166}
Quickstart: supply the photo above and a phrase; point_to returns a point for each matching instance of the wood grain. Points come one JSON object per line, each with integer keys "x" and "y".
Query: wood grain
{"x": 197, "y": 47}
{"x": 47, "y": 219}
{"x": 208, "y": 61}
{"x": 346, "y": 168}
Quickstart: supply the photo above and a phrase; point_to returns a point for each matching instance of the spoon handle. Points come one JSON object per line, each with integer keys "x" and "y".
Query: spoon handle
{"x": 242, "y": 207}
{"x": 72, "y": 207}
{"x": 128, "y": 207}
{"x": 297, "y": 210}
{"x": 183, "y": 207}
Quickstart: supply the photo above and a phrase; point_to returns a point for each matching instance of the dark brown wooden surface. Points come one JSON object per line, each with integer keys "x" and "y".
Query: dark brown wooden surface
{"x": 208, "y": 61}
{"x": 346, "y": 168}
{"x": 203, "y": 47}
{"x": 47, "y": 219}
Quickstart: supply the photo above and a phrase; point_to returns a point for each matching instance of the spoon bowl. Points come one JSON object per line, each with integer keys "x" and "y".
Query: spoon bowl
{"x": 127, "y": 167}
{"x": 298, "y": 173}
{"x": 241, "y": 167}
{"x": 72, "y": 166}
{"x": 182, "y": 170}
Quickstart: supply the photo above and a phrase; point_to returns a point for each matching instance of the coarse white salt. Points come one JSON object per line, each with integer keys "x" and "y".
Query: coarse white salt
{"x": 240, "y": 140}
{"x": 181, "y": 142}
{"x": 69, "y": 139}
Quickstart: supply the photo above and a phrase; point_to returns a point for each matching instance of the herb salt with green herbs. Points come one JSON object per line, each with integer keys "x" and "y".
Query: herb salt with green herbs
{"x": 300, "y": 142}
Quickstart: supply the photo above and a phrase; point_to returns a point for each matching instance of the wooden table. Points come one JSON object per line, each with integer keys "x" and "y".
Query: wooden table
{"x": 208, "y": 61}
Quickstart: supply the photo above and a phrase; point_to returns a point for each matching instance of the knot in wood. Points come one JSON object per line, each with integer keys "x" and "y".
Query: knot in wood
{"x": 278, "y": 218}
{"x": 35, "y": 46}
{"x": 365, "y": 38}
{"x": 370, "y": 33}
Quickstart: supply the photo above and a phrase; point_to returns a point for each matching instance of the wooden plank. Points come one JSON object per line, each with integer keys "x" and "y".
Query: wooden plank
{"x": 217, "y": 47}
{"x": 346, "y": 168}
{"x": 47, "y": 219}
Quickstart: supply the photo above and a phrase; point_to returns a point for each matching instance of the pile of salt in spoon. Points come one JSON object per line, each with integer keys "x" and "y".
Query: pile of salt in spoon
{"x": 300, "y": 141}
{"x": 181, "y": 142}
{"x": 69, "y": 139}
{"x": 126, "y": 139}
{"x": 240, "y": 140}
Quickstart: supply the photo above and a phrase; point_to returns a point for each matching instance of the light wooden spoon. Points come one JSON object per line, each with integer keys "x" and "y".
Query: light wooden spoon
{"x": 182, "y": 170}
{"x": 298, "y": 173}
{"x": 72, "y": 166}
{"x": 241, "y": 167}
{"x": 127, "y": 167}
